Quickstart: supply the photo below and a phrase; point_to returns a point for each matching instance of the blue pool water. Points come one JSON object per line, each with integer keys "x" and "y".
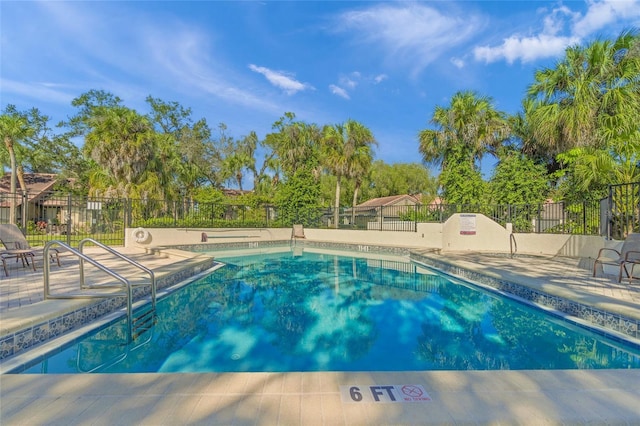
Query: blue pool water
{"x": 317, "y": 311}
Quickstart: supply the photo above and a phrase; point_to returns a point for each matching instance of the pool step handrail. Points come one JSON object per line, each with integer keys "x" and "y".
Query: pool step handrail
{"x": 116, "y": 253}
{"x": 513, "y": 245}
{"x": 125, "y": 286}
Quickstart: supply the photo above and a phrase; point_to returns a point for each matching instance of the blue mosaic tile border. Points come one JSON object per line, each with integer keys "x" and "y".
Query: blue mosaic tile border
{"x": 20, "y": 341}
{"x": 360, "y": 248}
{"x": 607, "y": 320}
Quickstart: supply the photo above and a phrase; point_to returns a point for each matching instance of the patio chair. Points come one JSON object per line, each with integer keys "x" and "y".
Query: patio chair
{"x": 297, "y": 232}
{"x": 17, "y": 246}
{"x": 629, "y": 254}
{"x": 20, "y": 255}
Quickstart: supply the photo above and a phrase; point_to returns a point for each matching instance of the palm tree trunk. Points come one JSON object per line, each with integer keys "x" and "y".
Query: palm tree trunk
{"x": 354, "y": 203}
{"x": 12, "y": 188}
{"x": 20, "y": 175}
{"x": 336, "y": 213}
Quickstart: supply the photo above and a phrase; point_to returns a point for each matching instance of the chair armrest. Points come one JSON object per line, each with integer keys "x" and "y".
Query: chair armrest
{"x": 602, "y": 250}
{"x": 632, "y": 256}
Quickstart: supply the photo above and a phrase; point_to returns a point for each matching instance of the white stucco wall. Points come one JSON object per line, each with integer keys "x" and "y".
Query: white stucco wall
{"x": 562, "y": 245}
{"x": 474, "y": 232}
{"x": 460, "y": 233}
{"x": 428, "y": 235}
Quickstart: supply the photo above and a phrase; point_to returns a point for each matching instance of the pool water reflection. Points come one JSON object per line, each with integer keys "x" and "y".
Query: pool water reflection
{"x": 319, "y": 311}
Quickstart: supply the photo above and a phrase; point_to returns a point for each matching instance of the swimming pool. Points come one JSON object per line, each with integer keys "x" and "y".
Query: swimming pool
{"x": 315, "y": 310}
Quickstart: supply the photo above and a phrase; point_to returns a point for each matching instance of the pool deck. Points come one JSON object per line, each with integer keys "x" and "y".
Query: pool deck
{"x": 454, "y": 397}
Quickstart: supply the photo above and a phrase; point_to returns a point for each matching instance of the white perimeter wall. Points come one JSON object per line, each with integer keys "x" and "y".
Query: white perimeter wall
{"x": 464, "y": 232}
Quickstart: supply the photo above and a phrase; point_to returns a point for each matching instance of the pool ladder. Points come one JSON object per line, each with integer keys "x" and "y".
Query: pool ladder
{"x": 146, "y": 315}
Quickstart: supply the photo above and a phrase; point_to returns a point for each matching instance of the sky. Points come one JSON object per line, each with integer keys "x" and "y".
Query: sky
{"x": 386, "y": 64}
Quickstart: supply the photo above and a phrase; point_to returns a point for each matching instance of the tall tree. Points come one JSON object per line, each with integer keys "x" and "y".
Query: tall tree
{"x": 587, "y": 107}
{"x": 399, "y": 178}
{"x": 347, "y": 153}
{"x": 13, "y": 128}
{"x": 124, "y": 144}
{"x": 466, "y": 130}
{"x": 193, "y": 156}
{"x": 296, "y": 145}
{"x": 591, "y": 86}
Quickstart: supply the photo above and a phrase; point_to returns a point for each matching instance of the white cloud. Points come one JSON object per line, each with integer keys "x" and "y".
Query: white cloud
{"x": 561, "y": 28}
{"x": 145, "y": 55}
{"x": 380, "y": 78}
{"x": 457, "y": 62}
{"x": 410, "y": 34}
{"x": 602, "y": 13}
{"x": 282, "y": 80}
{"x": 45, "y": 92}
{"x": 339, "y": 91}
{"x": 525, "y": 49}
{"x": 350, "y": 81}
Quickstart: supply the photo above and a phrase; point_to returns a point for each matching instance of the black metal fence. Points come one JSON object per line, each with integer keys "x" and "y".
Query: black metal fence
{"x": 70, "y": 218}
{"x": 64, "y": 217}
{"x": 560, "y": 218}
{"x": 621, "y": 211}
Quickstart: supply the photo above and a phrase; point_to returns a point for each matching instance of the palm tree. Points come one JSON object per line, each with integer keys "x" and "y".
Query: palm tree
{"x": 466, "y": 130}
{"x": 470, "y": 122}
{"x": 358, "y": 171}
{"x": 296, "y": 144}
{"x": 124, "y": 143}
{"x": 591, "y": 96}
{"x": 347, "y": 153}
{"x": 13, "y": 128}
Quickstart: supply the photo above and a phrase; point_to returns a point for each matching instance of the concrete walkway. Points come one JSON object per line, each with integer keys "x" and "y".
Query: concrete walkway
{"x": 452, "y": 397}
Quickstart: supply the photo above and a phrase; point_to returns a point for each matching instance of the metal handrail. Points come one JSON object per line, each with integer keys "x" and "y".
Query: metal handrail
{"x": 123, "y": 257}
{"x": 512, "y": 244}
{"x": 125, "y": 283}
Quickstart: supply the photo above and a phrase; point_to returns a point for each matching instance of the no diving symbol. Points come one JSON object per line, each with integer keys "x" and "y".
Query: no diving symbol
{"x": 412, "y": 391}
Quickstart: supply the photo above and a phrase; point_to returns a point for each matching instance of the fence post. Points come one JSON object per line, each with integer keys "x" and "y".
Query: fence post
{"x": 25, "y": 210}
{"x": 127, "y": 213}
{"x": 610, "y": 212}
{"x": 68, "y": 219}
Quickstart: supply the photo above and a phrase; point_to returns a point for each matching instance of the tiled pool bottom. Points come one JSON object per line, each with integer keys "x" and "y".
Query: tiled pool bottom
{"x": 615, "y": 325}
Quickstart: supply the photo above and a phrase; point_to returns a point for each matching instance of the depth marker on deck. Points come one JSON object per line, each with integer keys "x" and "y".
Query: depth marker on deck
{"x": 383, "y": 394}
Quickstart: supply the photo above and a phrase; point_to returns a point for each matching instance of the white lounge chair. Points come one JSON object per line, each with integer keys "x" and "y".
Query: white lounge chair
{"x": 628, "y": 255}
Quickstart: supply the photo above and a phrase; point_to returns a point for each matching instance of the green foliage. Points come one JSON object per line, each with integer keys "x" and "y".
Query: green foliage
{"x": 209, "y": 195}
{"x": 296, "y": 145}
{"x": 400, "y": 178}
{"x": 582, "y": 115}
{"x": 297, "y": 199}
{"x": 518, "y": 180}
{"x": 461, "y": 182}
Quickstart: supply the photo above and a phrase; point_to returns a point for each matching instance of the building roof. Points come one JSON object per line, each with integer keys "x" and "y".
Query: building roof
{"x": 38, "y": 184}
{"x": 389, "y": 200}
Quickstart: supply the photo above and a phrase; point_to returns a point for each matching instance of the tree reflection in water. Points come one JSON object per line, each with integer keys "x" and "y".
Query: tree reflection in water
{"x": 324, "y": 312}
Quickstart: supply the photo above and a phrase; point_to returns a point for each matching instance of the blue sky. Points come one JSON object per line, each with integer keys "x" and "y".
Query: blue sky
{"x": 244, "y": 64}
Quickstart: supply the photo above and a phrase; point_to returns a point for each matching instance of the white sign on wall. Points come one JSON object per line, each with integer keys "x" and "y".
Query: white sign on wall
{"x": 467, "y": 224}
